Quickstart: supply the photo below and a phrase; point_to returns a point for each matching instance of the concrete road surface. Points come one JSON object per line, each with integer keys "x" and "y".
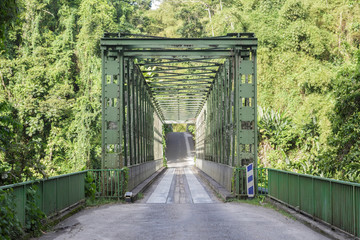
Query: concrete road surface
{"x": 179, "y": 206}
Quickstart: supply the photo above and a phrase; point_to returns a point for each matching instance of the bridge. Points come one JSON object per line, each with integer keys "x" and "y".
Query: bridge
{"x": 210, "y": 83}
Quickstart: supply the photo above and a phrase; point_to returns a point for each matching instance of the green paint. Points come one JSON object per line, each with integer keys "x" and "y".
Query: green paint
{"x": 211, "y": 79}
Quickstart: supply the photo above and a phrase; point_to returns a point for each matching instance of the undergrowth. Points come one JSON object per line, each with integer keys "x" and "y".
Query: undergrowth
{"x": 102, "y": 201}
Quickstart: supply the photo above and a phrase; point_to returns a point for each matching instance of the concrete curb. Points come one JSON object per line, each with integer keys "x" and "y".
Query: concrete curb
{"x": 146, "y": 183}
{"x": 52, "y": 220}
{"x": 216, "y": 187}
{"x": 317, "y": 226}
{"x": 58, "y": 216}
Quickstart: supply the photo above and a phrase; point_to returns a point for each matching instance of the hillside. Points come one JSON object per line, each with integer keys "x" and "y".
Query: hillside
{"x": 308, "y": 78}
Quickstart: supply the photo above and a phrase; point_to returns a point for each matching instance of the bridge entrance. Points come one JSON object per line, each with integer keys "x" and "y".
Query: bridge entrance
{"x": 150, "y": 81}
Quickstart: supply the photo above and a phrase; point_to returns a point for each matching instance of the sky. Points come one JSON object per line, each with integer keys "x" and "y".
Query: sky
{"x": 155, "y": 4}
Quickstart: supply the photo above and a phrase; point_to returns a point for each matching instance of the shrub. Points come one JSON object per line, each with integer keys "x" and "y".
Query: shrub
{"x": 33, "y": 214}
{"x": 90, "y": 186}
{"x": 10, "y": 227}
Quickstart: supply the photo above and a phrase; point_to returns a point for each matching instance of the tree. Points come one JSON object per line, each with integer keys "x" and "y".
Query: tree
{"x": 345, "y": 138}
{"x": 8, "y": 15}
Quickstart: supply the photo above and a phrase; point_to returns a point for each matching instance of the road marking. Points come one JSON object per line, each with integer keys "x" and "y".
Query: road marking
{"x": 161, "y": 192}
{"x": 198, "y": 193}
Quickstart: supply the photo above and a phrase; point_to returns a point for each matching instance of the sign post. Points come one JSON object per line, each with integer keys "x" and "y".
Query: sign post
{"x": 250, "y": 180}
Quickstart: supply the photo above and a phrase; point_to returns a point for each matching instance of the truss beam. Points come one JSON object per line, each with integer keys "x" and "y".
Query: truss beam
{"x": 148, "y": 81}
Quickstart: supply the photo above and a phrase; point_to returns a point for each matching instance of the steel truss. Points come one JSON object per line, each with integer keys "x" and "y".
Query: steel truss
{"x": 149, "y": 81}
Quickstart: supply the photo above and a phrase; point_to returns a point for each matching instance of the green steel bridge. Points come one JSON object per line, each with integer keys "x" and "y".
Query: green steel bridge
{"x": 151, "y": 81}
{"x": 209, "y": 82}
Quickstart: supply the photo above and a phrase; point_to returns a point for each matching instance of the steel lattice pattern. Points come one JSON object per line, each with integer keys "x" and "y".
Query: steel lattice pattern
{"x": 207, "y": 81}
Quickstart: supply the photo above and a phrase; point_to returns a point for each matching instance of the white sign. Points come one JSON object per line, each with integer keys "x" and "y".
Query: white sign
{"x": 250, "y": 180}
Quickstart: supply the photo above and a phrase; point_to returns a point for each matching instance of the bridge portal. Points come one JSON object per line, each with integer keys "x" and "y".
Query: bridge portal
{"x": 150, "y": 81}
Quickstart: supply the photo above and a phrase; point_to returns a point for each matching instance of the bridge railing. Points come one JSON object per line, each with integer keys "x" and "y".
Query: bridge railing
{"x": 109, "y": 183}
{"x": 55, "y": 194}
{"x": 334, "y": 202}
{"x": 51, "y": 195}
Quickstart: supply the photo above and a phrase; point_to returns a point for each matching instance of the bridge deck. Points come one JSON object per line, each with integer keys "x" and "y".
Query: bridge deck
{"x": 198, "y": 214}
{"x": 179, "y": 184}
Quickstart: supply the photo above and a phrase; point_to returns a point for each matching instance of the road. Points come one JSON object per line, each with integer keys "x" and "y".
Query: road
{"x": 180, "y": 206}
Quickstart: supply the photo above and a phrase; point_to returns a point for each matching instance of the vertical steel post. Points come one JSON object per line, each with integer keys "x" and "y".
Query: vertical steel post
{"x": 103, "y": 105}
{"x": 137, "y": 114}
{"x": 254, "y": 58}
{"x": 237, "y": 106}
{"x": 246, "y": 109}
{"x": 112, "y": 107}
{"x": 233, "y": 107}
{"x": 129, "y": 111}
{"x": 133, "y": 111}
{"x": 124, "y": 107}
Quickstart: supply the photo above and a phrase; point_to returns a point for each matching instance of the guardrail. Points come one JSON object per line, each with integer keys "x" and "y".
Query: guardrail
{"x": 53, "y": 194}
{"x": 261, "y": 181}
{"x": 57, "y": 193}
{"x": 110, "y": 183}
{"x": 334, "y": 202}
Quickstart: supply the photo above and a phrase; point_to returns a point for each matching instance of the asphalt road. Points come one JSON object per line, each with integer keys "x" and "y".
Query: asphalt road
{"x": 179, "y": 206}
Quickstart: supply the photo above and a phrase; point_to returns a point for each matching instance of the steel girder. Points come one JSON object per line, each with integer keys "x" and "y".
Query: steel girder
{"x": 226, "y": 126}
{"x": 131, "y": 125}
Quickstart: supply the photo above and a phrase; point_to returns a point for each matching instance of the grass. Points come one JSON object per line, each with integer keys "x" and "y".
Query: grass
{"x": 102, "y": 201}
{"x": 140, "y": 196}
{"x": 257, "y": 201}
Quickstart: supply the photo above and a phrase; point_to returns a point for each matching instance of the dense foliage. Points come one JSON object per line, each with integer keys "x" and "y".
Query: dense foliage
{"x": 10, "y": 227}
{"x": 50, "y": 91}
{"x": 308, "y": 77}
{"x": 308, "y": 85}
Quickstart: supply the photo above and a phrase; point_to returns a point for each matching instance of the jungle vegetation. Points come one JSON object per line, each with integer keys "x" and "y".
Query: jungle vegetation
{"x": 308, "y": 78}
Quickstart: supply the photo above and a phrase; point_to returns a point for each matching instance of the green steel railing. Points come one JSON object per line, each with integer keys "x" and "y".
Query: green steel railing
{"x": 57, "y": 193}
{"x": 334, "y": 202}
{"x": 110, "y": 183}
{"x": 53, "y": 194}
{"x": 261, "y": 181}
